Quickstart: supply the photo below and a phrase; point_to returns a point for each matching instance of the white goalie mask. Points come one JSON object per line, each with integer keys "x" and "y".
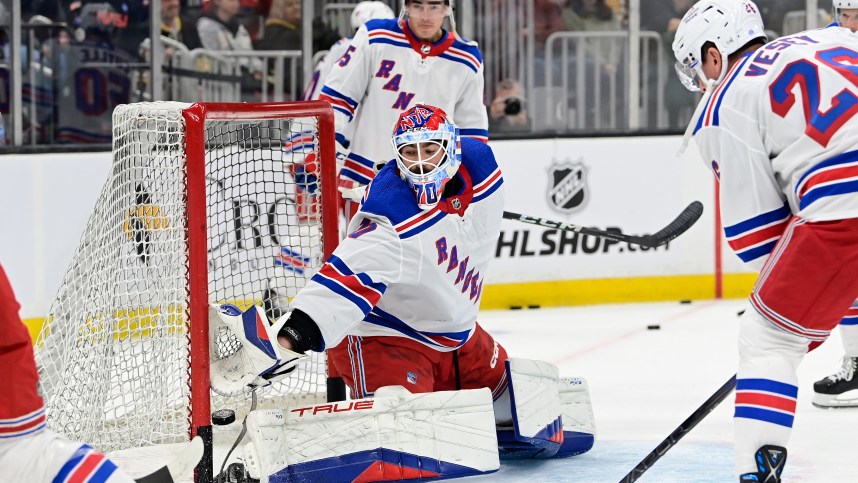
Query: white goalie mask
{"x": 428, "y": 152}
{"x": 729, "y": 24}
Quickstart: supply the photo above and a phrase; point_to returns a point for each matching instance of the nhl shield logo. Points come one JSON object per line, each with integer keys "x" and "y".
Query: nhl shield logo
{"x": 568, "y": 191}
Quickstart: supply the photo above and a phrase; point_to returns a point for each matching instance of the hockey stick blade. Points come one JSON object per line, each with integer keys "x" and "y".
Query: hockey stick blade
{"x": 683, "y": 429}
{"x": 677, "y": 227}
{"x": 180, "y": 467}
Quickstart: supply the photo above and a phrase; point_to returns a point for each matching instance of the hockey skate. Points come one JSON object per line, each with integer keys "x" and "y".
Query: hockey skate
{"x": 770, "y": 463}
{"x": 839, "y": 390}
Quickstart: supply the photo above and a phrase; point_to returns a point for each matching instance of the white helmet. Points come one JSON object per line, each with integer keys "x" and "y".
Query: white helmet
{"x": 729, "y": 24}
{"x": 840, "y": 4}
{"x": 365, "y": 11}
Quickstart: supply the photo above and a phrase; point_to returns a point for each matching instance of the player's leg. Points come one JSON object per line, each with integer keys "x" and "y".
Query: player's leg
{"x": 552, "y": 417}
{"x": 805, "y": 287}
{"x": 368, "y": 363}
{"x": 841, "y": 388}
{"x": 21, "y": 409}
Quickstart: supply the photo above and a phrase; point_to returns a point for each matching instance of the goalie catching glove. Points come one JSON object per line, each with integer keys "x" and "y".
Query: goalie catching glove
{"x": 244, "y": 350}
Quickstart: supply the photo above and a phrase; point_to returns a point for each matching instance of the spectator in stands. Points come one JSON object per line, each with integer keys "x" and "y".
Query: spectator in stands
{"x": 663, "y": 17}
{"x": 176, "y": 27}
{"x": 547, "y": 19}
{"x": 219, "y": 30}
{"x": 595, "y": 16}
{"x": 774, "y": 11}
{"x": 507, "y": 112}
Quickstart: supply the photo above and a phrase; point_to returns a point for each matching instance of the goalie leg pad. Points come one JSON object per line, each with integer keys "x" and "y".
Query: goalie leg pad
{"x": 537, "y": 430}
{"x": 579, "y": 425}
{"x": 394, "y": 436}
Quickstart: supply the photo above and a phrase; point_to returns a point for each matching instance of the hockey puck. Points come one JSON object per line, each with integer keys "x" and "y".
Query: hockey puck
{"x": 685, "y": 302}
{"x": 515, "y": 307}
{"x": 653, "y": 327}
{"x": 533, "y": 306}
{"x": 740, "y": 313}
{"x": 222, "y": 417}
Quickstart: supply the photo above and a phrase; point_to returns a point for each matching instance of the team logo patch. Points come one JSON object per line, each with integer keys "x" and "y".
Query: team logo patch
{"x": 457, "y": 204}
{"x": 568, "y": 191}
{"x": 411, "y": 377}
{"x": 426, "y": 48}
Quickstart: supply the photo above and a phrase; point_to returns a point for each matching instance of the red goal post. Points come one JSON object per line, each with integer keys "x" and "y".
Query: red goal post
{"x": 204, "y": 203}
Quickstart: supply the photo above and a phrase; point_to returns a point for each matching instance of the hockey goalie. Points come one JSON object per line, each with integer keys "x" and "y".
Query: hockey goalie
{"x": 434, "y": 395}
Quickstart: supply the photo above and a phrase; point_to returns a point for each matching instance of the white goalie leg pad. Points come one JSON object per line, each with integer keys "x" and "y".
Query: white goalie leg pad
{"x": 579, "y": 424}
{"x": 395, "y": 435}
{"x": 536, "y": 411}
{"x": 244, "y": 351}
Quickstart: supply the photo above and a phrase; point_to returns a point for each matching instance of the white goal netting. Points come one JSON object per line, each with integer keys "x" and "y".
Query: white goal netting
{"x": 114, "y": 353}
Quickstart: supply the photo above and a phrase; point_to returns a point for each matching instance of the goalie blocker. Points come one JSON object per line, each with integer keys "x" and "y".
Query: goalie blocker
{"x": 398, "y": 435}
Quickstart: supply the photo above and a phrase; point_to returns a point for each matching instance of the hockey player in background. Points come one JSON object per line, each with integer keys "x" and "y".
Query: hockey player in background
{"x": 402, "y": 293}
{"x": 29, "y": 452}
{"x": 361, "y": 14}
{"x": 777, "y": 126}
{"x": 841, "y": 388}
{"x": 391, "y": 65}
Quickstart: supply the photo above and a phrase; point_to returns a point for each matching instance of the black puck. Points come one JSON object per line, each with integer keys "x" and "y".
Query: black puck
{"x": 685, "y": 301}
{"x": 533, "y": 306}
{"x": 222, "y": 417}
{"x": 515, "y": 307}
{"x": 653, "y": 327}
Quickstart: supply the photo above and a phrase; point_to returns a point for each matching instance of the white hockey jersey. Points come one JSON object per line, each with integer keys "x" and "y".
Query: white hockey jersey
{"x": 407, "y": 272}
{"x": 385, "y": 71}
{"x": 781, "y": 135}
{"x": 323, "y": 69}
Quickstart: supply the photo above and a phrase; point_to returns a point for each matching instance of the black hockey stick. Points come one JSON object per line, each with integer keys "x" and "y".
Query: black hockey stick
{"x": 677, "y": 227}
{"x": 683, "y": 429}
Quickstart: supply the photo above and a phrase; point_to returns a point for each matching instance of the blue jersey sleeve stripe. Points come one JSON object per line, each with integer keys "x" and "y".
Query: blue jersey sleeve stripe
{"x": 760, "y": 220}
{"x": 342, "y": 291}
{"x": 757, "y": 252}
{"x": 844, "y": 158}
{"x": 830, "y": 190}
{"x": 365, "y": 279}
{"x": 354, "y": 176}
{"x": 338, "y": 95}
{"x": 494, "y": 187}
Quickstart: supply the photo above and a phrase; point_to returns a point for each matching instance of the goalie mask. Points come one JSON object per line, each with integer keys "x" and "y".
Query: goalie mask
{"x": 428, "y": 152}
{"x": 729, "y": 24}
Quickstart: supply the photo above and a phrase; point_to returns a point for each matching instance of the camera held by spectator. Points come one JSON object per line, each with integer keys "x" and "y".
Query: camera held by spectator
{"x": 507, "y": 112}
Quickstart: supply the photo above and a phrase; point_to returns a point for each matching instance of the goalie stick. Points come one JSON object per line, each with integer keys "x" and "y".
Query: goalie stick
{"x": 683, "y": 222}
{"x": 180, "y": 467}
{"x": 683, "y": 429}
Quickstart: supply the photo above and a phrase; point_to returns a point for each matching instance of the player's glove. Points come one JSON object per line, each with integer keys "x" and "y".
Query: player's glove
{"x": 244, "y": 351}
{"x": 350, "y": 190}
{"x": 305, "y": 174}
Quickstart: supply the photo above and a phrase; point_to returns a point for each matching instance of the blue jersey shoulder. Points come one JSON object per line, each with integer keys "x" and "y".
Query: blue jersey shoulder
{"x": 390, "y": 24}
{"x": 478, "y": 157}
{"x": 470, "y": 48}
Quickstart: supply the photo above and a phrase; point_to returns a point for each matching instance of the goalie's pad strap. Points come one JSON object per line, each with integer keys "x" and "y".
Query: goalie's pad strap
{"x": 579, "y": 425}
{"x": 394, "y": 436}
{"x": 535, "y": 405}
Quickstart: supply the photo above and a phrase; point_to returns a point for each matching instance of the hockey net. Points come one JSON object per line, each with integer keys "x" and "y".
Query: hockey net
{"x": 223, "y": 203}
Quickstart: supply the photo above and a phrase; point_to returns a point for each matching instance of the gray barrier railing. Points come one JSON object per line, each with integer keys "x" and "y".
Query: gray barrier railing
{"x": 584, "y": 81}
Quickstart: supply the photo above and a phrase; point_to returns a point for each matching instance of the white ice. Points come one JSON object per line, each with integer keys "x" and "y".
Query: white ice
{"x": 645, "y": 382}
